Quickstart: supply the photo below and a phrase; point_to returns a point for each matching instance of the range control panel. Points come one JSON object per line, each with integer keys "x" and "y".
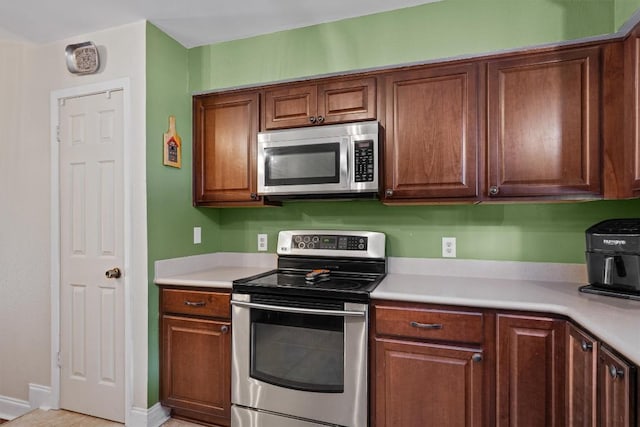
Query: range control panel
{"x": 330, "y": 242}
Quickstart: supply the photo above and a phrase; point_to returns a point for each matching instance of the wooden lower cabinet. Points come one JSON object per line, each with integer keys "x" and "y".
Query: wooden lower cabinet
{"x": 530, "y": 371}
{"x": 423, "y": 384}
{"x": 196, "y": 357}
{"x": 617, "y": 401}
{"x": 581, "y": 394}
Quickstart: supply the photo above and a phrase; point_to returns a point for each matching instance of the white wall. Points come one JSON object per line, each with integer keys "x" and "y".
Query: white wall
{"x": 33, "y": 73}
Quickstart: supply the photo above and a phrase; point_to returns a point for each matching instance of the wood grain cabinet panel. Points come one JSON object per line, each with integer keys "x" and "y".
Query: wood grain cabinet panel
{"x": 225, "y": 149}
{"x": 617, "y": 385}
{"x": 422, "y": 384}
{"x": 196, "y": 368}
{"x": 581, "y": 395}
{"x": 544, "y": 124}
{"x": 431, "y": 137}
{"x": 631, "y": 149}
{"x": 330, "y": 102}
{"x": 530, "y": 371}
{"x": 195, "y": 354}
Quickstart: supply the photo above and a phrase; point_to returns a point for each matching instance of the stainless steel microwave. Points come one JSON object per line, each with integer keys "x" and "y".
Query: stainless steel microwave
{"x": 331, "y": 161}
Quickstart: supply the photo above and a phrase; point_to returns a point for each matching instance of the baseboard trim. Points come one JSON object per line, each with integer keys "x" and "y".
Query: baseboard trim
{"x": 40, "y": 397}
{"x": 152, "y": 417}
{"x": 11, "y": 408}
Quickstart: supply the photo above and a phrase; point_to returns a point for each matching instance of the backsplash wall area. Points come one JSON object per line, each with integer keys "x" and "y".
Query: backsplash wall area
{"x": 506, "y": 232}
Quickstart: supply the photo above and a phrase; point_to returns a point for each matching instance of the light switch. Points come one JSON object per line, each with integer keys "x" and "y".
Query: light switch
{"x": 197, "y": 235}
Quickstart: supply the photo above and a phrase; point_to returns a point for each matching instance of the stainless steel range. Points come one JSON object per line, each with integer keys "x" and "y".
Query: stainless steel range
{"x": 300, "y": 332}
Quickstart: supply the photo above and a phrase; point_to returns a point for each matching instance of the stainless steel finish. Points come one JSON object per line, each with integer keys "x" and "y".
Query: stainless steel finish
{"x": 426, "y": 325}
{"x": 195, "y": 303}
{"x": 494, "y": 190}
{"x": 284, "y": 309}
{"x": 344, "y": 409}
{"x": 375, "y": 245}
{"x": 346, "y": 134}
{"x": 477, "y": 357}
{"x": 586, "y": 346}
{"x": 113, "y": 273}
{"x": 247, "y": 417}
{"x": 608, "y": 270}
{"x": 615, "y": 372}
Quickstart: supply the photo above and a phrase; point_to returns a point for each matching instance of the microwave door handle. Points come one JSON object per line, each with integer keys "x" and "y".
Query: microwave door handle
{"x": 608, "y": 268}
{"x": 337, "y": 313}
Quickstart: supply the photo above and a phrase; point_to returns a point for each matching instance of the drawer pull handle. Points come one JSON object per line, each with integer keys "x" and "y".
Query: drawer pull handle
{"x": 615, "y": 372}
{"x": 426, "y": 325}
{"x": 195, "y": 303}
{"x": 586, "y": 346}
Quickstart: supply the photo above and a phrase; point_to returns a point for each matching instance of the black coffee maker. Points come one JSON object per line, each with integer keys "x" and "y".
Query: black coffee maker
{"x": 613, "y": 258}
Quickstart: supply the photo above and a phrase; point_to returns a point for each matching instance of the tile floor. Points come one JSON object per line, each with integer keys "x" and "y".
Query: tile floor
{"x": 60, "y": 418}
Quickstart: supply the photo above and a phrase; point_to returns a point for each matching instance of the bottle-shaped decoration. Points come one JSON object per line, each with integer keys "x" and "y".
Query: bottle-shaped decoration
{"x": 172, "y": 145}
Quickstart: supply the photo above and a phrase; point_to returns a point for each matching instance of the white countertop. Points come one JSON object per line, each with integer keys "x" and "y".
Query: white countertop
{"x": 616, "y": 321}
{"x": 539, "y": 287}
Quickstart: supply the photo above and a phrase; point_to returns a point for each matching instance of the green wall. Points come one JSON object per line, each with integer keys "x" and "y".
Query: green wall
{"x": 170, "y": 216}
{"x": 525, "y": 232}
{"x": 432, "y": 31}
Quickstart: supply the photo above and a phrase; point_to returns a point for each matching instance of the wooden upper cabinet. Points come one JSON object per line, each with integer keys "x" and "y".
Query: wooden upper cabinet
{"x": 581, "y": 394}
{"x": 544, "y": 124}
{"x": 224, "y": 149}
{"x": 632, "y": 114}
{"x": 530, "y": 371}
{"x": 316, "y": 104}
{"x": 431, "y": 143}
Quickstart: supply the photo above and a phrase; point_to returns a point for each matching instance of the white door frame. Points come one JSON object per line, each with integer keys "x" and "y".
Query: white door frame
{"x": 56, "y": 97}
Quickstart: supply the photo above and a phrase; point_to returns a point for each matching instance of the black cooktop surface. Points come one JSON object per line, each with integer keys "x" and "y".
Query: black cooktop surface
{"x": 337, "y": 285}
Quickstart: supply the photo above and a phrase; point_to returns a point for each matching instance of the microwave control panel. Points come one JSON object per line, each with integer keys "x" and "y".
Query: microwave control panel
{"x": 363, "y": 161}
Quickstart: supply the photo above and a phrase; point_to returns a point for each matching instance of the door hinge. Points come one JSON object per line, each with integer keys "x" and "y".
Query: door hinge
{"x": 58, "y": 133}
{"x": 59, "y": 361}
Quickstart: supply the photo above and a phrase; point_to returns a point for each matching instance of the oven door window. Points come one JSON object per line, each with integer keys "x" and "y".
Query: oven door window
{"x": 298, "y": 351}
{"x": 302, "y": 164}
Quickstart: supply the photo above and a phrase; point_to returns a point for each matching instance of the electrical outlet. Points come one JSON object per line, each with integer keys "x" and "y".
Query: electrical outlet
{"x": 262, "y": 242}
{"x": 448, "y": 247}
{"x": 197, "y": 235}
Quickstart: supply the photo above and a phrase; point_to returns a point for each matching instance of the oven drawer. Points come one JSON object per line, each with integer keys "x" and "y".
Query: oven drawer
{"x": 198, "y": 303}
{"x": 427, "y": 323}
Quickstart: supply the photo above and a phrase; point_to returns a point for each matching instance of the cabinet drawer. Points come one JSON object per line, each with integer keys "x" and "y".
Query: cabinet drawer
{"x": 201, "y": 303}
{"x": 432, "y": 324}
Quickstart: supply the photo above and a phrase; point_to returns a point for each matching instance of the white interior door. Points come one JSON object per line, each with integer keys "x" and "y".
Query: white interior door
{"x": 92, "y": 355}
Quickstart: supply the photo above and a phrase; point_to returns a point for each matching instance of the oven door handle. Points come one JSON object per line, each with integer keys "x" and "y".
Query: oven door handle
{"x": 337, "y": 313}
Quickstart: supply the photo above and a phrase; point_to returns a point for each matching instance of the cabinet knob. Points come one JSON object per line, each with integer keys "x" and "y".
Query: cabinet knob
{"x": 388, "y": 192}
{"x": 586, "y": 346}
{"x": 615, "y": 372}
{"x": 494, "y": 190}
{"x": 224, "y": 329}
{"x": 312, "y": 119}
{"x": 477, "y": 357}
{"x": 254, "y": 196}
{"x": 320, "y": 119}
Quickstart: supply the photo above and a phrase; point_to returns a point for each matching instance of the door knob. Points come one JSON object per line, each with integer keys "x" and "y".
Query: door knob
{"x": 113, "y": 273}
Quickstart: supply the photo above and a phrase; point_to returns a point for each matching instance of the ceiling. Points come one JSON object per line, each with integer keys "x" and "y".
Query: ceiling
{"x": 190, "y": 22}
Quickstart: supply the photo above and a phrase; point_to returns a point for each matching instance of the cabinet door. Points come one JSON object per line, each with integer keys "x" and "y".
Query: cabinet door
{"x": 544, "y": 124}
{"x": 530, "y": 371}
{"x": 196, "y": 368}
{"x": 420, "y": 384}
{"x": 290, "y": 106}
{"x": 616, "y": 385}
{"x": 225, "y": 139}
{"x": 582, "y": 353}
{"x": 431, "y": 144}
{"x": 632, "y": 113}
{"x": 347, "y": 100}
